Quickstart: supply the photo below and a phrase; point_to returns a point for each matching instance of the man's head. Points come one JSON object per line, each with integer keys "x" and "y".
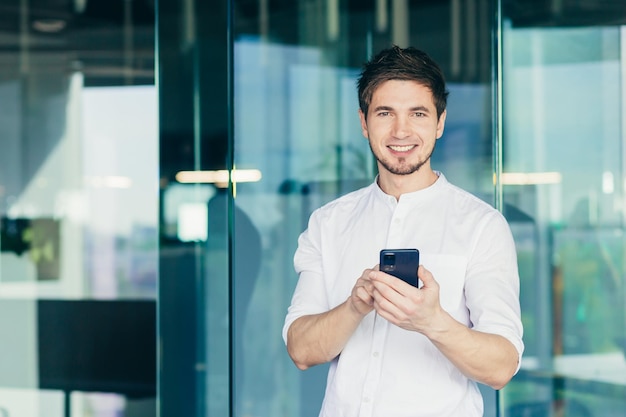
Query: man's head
{"x": 409, "y": 64}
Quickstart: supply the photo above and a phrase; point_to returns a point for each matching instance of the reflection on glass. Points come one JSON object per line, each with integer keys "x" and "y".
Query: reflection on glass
{"x": 78, "y": 209}
{"x": 119, "y": 124}
{"x": 308, "y": 145}
{"x": 84, "y": 225}
{"x": 562, "y": 117}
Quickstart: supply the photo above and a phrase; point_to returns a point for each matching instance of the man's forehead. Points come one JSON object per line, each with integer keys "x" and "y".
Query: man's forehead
{"x": 392, "y": 89}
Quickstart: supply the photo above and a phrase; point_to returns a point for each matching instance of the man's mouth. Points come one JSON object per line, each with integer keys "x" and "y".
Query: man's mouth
{"x": 404, "y": 148}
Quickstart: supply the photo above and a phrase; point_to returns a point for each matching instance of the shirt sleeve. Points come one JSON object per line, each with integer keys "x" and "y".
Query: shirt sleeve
{"x": 492, "y": 283}
{"x": 310, "y": 296}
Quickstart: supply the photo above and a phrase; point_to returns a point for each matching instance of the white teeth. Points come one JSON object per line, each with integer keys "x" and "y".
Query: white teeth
{"x": 402, "y": 148}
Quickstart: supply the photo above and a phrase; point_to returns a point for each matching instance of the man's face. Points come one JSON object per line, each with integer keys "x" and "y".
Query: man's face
{"x": 402, "y": 126}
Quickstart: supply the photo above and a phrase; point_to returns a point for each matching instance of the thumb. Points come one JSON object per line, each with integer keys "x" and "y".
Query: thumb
{"x": 426, "y": 277}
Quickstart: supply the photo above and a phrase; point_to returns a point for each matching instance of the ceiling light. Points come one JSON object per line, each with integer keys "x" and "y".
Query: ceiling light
{"x": 108, "y": 181}
{"x": 49, "y": 25}
{"x": 531, "y": 178}
{"x": 219, "y": 177}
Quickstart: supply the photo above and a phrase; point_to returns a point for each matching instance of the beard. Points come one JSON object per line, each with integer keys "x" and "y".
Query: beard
{"x": 401, "y": 167}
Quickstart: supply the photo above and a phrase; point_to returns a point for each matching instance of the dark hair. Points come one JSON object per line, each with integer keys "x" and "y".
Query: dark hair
{"x": 409, "y": 64}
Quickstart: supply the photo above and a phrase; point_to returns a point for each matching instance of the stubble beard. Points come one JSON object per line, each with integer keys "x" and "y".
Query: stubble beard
{"x": 401, "y": 168}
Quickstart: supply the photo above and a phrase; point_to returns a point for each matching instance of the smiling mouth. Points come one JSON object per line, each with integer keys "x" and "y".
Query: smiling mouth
{"x": 404, "y": 148}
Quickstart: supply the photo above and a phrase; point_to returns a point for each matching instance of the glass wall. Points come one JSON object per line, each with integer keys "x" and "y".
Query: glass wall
{"x": 563, "y": 171}
{"x": 78, "y": 208}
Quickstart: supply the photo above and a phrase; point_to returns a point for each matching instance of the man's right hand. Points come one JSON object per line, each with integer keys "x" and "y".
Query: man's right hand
{"x": 318, "y": 338}
{"x": 361, "y": 299}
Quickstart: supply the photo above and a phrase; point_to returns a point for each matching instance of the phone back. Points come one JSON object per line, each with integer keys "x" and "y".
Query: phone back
{"x": 401, "y": 263}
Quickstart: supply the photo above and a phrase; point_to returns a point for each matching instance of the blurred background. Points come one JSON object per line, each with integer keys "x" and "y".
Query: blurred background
{"x": 158, "y": 160}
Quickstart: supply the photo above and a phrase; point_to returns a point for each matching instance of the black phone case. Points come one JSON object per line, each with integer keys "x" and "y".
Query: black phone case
{"x": 404, "y": 265}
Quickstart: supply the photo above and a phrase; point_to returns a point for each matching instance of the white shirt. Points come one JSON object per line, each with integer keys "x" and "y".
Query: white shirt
{"x": 386, "y": 371}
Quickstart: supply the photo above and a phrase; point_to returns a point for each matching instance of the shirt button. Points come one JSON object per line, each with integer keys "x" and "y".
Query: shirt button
{"x": 375, "y": 354}
{"x": 366, "y": 400}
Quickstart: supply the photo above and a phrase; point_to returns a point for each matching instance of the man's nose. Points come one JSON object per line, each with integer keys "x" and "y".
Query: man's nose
{"x": 401, "y": 127}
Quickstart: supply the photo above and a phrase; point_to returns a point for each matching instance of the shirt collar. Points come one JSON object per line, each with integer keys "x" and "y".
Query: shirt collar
{"x": 422, "y": 194}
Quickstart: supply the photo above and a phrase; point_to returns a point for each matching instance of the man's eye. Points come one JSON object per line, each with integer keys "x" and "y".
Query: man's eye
{"x": 420, "y": 114}
{"x": 383, "y": 113}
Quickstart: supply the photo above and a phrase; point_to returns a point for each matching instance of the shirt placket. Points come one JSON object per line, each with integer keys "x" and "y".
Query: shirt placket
{"x": 381, "y": 326}
{"x": 374, "y": 370}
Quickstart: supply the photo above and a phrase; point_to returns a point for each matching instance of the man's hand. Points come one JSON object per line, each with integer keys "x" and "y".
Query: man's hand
{"x": 318, "y": 338}
{"x": 361, "y": 299}
{"x": 404, "y": 305}
{"x": 487, "y": 358}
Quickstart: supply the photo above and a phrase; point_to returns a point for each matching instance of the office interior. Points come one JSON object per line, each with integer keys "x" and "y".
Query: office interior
{"x": 159, "y": 158}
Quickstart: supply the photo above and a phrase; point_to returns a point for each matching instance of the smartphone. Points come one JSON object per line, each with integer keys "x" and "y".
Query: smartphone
{"x": 401, "y": 263}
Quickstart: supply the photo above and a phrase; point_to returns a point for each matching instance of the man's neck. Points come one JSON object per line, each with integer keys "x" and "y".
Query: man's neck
{"x": 396, "y": 185}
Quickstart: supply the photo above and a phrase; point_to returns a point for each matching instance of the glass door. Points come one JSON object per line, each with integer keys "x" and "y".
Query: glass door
{"x": 563, "y": 172}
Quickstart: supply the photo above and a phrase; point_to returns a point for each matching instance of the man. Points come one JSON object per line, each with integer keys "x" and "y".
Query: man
{"x": 396, "y": 350}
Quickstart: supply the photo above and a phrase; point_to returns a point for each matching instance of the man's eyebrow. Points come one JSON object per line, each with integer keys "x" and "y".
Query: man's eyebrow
{"x": 423, "y": 109}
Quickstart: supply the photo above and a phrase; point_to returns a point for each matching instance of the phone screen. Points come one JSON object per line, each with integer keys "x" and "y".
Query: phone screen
{"x": 401, "y": 263}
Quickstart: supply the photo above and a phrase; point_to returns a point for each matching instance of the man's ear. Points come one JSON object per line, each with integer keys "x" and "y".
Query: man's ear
{"x": 363, "y": 124}
{"x": 441, "y": 123}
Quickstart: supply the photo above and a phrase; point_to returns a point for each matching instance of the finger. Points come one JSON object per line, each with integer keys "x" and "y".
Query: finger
{"x": 386, "y": 309}
{"x": 368, "y": 272}
{"x": 426, "y": 277}
{"x": 367, "y": 287}
{"x": 364, "y": 295}
{"x": 398, "y": 285}
{"x": 380, "y": 276}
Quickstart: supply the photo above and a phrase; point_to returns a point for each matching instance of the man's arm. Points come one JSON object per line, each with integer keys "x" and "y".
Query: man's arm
{"x": 487, "y": 358}
{"x": 319, "y": 338}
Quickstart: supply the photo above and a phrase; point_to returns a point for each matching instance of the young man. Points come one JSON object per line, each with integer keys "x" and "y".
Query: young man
{"x": 396, "y": 350}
